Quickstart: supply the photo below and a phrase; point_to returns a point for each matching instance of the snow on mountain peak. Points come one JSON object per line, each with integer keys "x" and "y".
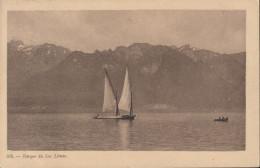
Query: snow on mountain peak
{"x": 24, "y": 48}
{"x": 20, "y": 47}
{"x": 187, "y": 47}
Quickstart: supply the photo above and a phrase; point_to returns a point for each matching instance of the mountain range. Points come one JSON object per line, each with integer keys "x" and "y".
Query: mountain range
{"x": 184, "y": 77}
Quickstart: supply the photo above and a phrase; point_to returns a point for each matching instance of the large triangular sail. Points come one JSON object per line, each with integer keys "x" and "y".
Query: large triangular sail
{"x": 125, "y": 102}
{"x": 110, "y": 102}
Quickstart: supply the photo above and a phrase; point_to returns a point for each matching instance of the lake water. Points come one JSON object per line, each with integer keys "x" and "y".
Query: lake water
{"x": 148, "y": 132}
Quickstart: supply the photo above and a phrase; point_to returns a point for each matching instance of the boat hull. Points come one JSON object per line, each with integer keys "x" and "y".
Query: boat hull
{"x": 128, "y": 117}
{"x": 124, "y": 117}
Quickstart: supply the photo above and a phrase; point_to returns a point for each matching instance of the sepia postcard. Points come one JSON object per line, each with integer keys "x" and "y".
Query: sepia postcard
{"x": 129, "y": 83}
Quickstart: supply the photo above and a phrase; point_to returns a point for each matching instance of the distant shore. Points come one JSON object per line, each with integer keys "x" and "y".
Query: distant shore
{"x": 80, "y": 109}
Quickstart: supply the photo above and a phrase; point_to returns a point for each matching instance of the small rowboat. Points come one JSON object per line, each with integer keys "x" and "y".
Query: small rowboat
{"x": 221, "y": 119}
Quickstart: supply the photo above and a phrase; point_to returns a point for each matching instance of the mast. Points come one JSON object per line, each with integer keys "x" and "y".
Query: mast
{"x": 131, "y": 107}
{"x": 117, "y": 111}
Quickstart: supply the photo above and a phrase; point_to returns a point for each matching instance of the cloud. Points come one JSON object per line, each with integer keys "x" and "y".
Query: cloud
{"x": 91, "y": 30}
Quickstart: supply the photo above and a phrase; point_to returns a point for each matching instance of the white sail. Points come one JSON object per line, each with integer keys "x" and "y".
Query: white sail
{"x": 125, "y": 100}
{"x": 109, "y": 104}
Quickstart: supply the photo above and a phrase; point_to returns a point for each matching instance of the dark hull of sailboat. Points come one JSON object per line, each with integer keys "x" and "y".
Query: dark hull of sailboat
{"x": 128, "y": 117}
{"x": 124, "y": 117}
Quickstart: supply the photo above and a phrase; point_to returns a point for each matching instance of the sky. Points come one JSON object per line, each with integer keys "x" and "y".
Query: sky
{"x": 216, "y": 30}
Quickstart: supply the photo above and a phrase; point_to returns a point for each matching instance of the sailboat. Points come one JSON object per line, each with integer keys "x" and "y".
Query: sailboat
{"x": 111, "y": 104}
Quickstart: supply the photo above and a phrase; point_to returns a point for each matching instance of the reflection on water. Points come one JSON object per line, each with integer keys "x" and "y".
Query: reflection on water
{"x": 123, "y": 126}
{"x": 150, "y": 131}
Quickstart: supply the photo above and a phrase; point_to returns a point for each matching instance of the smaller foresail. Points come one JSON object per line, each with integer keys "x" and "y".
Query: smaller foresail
{"x": 125, "y": 100}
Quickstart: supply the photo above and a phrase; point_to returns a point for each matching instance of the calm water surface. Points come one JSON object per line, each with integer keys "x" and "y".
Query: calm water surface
{"x": 149, "y": 131}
